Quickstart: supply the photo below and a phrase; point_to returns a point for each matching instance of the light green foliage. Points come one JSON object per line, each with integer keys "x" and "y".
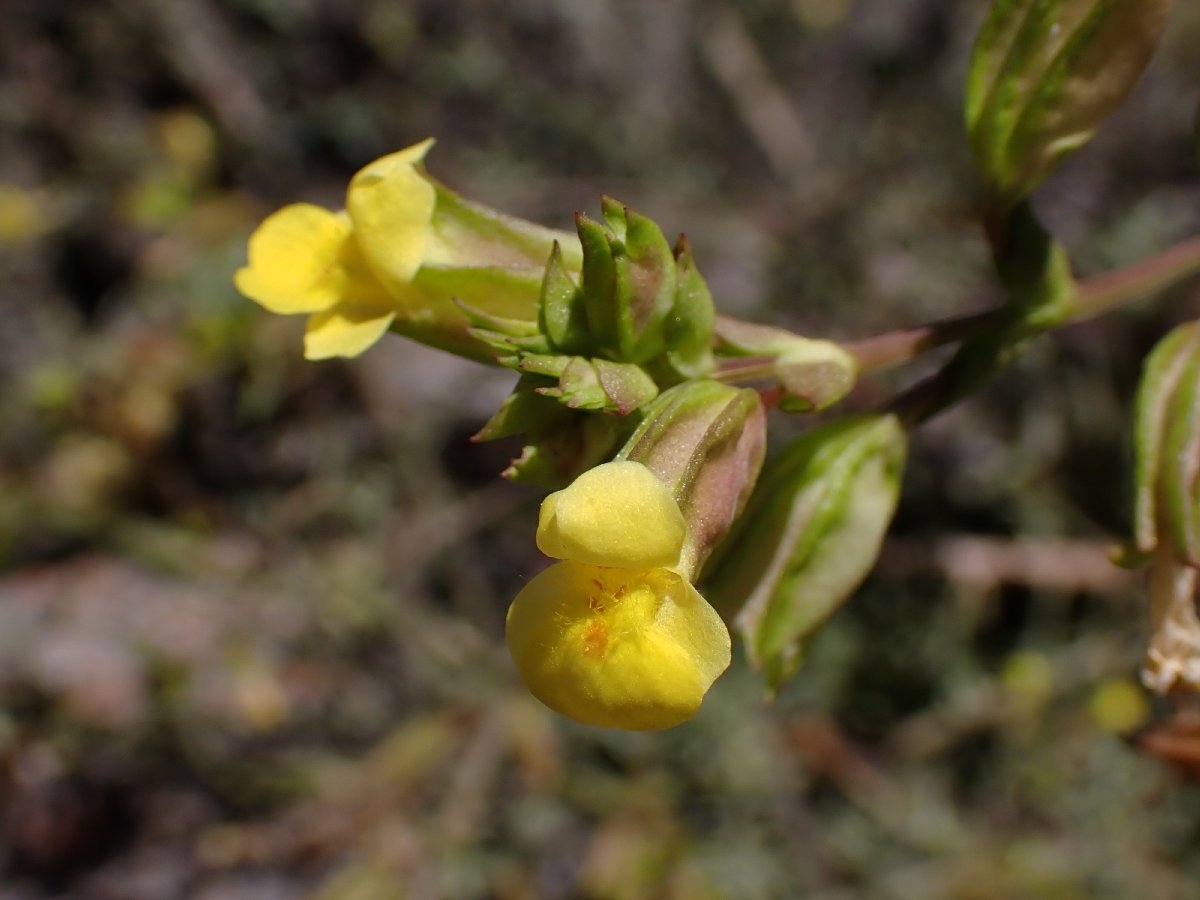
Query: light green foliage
{"x": 1044, "y": 76}
{"x": 1167, "y": 447}
{"x": 809, "y": 536}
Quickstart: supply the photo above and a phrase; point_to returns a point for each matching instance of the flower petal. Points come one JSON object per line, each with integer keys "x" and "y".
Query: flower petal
{"x": 617, "y": 514}
{"x": 633, "y": 650}
{"x": 391, "y": 203}
{"x": 303, "y": 259}
{"x": 344, "y": 330}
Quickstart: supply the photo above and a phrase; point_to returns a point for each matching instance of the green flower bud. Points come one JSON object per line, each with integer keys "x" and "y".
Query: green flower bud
{"x": 808, "y": 537}
{"x": 639, "y": 301}
{"x": 814, "y": 374}
{"x": 705, "y": 440}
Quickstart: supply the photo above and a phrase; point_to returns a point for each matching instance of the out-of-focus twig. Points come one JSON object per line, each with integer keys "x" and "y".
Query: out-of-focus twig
{"x": 988, "y": 562}
{"x": 206, "y": 56}
{"x": 771, "y": 118}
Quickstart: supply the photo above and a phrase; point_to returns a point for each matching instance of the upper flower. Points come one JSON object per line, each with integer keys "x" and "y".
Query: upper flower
{"x": 399, "y": 254}
{"x": 614, "y": 635}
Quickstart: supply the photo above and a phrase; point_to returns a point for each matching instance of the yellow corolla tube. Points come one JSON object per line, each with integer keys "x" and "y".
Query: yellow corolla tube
{"x": 400, "y": 256}
{"x": 614, "y": 635}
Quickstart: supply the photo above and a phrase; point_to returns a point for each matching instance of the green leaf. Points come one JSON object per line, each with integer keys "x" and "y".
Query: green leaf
{"x": 810, "y": 534}
{"x": 1181, "y": 463}
{"x": 1044, "y": 75}
{"x": 1161, "y": 375}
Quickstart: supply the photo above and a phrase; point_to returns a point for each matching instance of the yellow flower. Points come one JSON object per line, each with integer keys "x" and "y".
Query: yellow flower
{"x": 397, "y": 257}
{"x": 614, "y": 635}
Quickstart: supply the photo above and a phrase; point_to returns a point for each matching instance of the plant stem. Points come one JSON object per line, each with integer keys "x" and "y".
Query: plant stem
{"x": 1092, "y": 297}
{"x": 1095, "y": 296}
{"x": 1099, "y": 294}
{"x": 896, "y": 347}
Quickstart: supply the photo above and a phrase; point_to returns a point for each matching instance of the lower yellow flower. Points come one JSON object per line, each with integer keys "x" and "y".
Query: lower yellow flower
{"x": 615, "y": 635}
{"x": 616, "y": 647}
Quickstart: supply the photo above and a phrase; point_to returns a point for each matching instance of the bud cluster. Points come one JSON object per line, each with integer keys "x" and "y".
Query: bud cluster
{"x": 630, "y": 412}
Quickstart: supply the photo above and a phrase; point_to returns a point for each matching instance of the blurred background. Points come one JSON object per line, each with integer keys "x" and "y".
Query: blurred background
{"x": 251, "y": 608}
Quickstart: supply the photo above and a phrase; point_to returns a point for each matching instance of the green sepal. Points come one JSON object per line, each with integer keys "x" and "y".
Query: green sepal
{"x": 645, "y": 289}
{"x": 471, "y": 234}
{"x": 560, "y": 444}
{"x": 1044, "y": 74}
{"x": 594, "y": 384}
{"x": 562, "y": 315}
{"x": 613, "y": 211}
{"x": 810, "y": 534}
{"x": 688, "y": 331}
{"x": 814, "y": 374}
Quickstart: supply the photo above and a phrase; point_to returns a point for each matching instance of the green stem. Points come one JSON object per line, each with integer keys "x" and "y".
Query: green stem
{"x": 1009, "y": 332}
{"x": 1094, "y": 296}
{"x": 895, "y": 347}
{"x": 1099, "y": 294}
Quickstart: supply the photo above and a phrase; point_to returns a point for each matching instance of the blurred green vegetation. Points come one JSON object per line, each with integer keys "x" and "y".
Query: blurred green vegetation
{"x": 251, "y": 608}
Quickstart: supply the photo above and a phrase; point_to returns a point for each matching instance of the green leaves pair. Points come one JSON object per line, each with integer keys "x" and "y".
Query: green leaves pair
{"x": 1044, "y": 75}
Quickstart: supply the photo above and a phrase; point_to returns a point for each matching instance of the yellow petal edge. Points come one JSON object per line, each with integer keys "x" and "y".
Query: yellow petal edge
{"x": 617, "y": 514}
{"x": 295, "y": 260}
{"x": 391, "y": 204}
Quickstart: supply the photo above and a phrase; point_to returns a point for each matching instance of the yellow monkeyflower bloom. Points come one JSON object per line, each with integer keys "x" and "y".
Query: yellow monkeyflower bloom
{"x": 398, "y": 256}
{"x": 615, "y": 635}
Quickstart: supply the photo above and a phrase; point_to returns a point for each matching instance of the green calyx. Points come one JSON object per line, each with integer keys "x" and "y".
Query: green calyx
{"x": 627, "y": 318}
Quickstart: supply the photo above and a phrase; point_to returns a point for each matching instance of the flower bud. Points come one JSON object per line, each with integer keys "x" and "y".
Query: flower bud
{"x": 705, "y": 440}
{"x": 403, "y": 255}
{"x": 814, "y": 373}
{"x": 640, "y": 301}
{"x": 809, "y": 535}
